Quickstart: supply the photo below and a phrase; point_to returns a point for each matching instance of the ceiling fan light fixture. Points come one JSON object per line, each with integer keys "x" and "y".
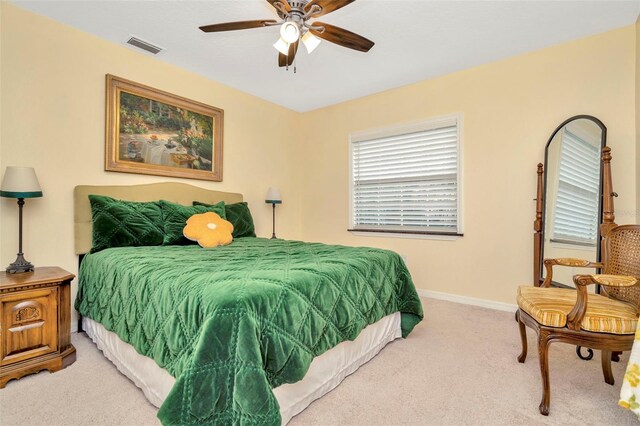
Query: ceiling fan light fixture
{"x": 282, "y": 46}
{"x": 290, "y": 32}
{"x": 310, "y": 41}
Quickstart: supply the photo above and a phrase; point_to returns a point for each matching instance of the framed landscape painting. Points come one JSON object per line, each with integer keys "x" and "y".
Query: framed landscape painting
{"x": 153, "y": 132}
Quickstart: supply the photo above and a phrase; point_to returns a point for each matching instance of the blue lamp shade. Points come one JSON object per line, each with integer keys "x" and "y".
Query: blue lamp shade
{"x": 273, "y": 196}
{"x": 20, "y": 182}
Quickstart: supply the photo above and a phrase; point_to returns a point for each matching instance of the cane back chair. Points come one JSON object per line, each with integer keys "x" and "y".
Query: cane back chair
{"x": 605, "y": 321}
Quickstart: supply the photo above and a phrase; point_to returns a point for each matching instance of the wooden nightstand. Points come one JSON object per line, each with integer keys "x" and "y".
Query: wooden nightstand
{"x": 34, "y": 322}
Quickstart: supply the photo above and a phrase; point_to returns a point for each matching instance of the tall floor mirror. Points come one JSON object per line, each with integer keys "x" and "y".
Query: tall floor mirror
{"x": 569, "y": 208}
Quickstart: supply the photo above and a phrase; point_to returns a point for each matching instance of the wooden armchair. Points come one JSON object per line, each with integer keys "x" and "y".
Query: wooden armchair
{"x": 605, "y": 322}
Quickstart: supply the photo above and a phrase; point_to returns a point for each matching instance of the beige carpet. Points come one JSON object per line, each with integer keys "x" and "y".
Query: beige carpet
{"x": 458, "y": 367}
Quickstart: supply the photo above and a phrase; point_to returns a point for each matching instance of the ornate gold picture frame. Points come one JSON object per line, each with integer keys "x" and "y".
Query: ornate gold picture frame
{"x": 152, "y": 132}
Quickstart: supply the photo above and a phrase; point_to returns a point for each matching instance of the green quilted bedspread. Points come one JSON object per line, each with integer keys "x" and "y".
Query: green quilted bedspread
{"x": 233, "y": 322}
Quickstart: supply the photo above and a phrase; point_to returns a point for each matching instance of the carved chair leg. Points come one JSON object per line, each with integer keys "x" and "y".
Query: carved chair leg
{"x": 606, "y": 367}
{"x": 543, "y": 351}
{"x": 523, "y": 338}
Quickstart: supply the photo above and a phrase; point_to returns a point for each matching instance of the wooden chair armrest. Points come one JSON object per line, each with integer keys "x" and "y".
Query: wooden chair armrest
{"x": 572, "y": 261}
{"x": 615, "y": 280}
{"x": 574, "y": 318}
{"x": 566, "y": 261}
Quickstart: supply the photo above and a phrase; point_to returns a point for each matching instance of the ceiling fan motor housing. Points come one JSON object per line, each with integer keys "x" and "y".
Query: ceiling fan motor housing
{"x": 297, "y": 9}
{"x": 298, "y": 4}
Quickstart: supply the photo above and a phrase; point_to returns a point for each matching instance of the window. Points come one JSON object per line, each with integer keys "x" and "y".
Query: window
{"x": 576, "y": 212}
{"x": 407, "y": 179}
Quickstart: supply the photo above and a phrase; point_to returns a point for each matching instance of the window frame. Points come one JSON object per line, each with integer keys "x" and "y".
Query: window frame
{"x": 400, "y": 129}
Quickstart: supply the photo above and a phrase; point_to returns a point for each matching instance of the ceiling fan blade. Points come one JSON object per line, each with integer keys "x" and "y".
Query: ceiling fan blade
{"x": 293, "y": 49}
{"x": 240, "y": 25}
{"x": 285, "y": 3}
{"x": 282, "y": 60}
{"x": 342, "y": 37}
{"x": 327, "y": 6}
{"x": 286, "y": 60}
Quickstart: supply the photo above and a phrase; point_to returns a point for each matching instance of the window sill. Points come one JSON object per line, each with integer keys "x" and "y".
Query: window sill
{"x": 573, "y": 243}
{"x": 405, "y": 234}
{"x": 565, "y": 246}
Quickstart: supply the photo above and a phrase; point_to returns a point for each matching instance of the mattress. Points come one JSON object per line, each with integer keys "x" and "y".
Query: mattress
{"x": 325, "y": 373}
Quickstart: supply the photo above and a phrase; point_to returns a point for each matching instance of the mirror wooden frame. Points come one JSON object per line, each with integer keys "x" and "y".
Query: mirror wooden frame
{"x": 606, "y": 209}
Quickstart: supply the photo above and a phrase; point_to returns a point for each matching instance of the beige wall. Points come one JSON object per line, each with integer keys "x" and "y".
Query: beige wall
{"x": 52, "y": 82}
{"x": 637, "y": 104}
{"x": 1, "y": 85}
{"x": 509, "y": 110}
{"x": 53, "y": 94}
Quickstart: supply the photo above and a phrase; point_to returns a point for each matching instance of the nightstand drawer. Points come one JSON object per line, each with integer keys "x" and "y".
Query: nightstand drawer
{"x": 28, "y": 325}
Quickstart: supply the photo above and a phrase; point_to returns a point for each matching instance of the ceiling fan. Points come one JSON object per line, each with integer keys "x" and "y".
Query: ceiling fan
{"x": 294, "y": 15}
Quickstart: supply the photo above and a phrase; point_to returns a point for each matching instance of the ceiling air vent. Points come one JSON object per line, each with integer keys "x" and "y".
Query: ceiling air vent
{"x": 144, "y": 45}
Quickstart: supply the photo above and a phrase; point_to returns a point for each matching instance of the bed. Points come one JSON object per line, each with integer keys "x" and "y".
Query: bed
{"x": 247, "y": 333}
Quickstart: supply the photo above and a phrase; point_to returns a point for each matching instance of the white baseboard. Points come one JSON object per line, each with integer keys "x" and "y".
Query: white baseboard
{"x": 499, "y": 306}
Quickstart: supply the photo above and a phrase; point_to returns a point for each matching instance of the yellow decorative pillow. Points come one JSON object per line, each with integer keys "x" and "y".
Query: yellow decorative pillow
{"x": 209, "y": 230}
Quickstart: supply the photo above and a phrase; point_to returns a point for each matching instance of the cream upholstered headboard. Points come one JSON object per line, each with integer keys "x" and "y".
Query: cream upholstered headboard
{"x": 180, "y": 193}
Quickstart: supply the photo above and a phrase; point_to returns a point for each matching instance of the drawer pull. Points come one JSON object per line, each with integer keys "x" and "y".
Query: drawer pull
{"x": 26, "y": 327}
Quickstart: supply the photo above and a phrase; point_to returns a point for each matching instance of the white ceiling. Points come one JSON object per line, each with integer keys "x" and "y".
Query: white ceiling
{"x": 415, "y": 39}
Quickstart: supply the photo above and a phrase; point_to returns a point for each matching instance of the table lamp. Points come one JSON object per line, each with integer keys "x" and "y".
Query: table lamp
{"x": 273, "y": 197}
{"x": 20, "y": 183}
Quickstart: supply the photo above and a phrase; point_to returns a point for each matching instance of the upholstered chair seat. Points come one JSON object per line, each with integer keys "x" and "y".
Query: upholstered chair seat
{"x": 550, "y": 307}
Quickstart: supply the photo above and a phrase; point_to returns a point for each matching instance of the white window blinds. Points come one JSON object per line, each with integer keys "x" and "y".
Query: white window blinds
{"x": 577, "y": 206}
{"x": 407, "y": 181}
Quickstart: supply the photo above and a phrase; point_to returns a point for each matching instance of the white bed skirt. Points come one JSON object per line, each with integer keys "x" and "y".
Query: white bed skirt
{"x": 325, "y": 373}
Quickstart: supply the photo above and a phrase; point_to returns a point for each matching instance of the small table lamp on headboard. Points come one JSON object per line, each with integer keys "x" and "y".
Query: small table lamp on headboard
{"x": 273, "y": 197}
{"x": 20, "y": 183}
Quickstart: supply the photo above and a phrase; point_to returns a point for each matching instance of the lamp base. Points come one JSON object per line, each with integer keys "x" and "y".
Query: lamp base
{"x": 20, "y": 265}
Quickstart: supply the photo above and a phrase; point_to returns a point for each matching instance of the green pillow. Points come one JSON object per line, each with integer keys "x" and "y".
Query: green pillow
{"x": 239, "y": 216}
{"x": 175, "y": 219}
{"x": 118, "y": 223}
